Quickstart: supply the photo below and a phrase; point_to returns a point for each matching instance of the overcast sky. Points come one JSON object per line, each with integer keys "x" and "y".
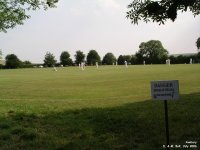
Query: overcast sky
{"x": 95, "y": 24}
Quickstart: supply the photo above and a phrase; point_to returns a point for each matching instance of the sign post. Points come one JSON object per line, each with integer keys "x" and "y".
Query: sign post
{"x": 165, "y": 90}
{"x": 166, "y": 123}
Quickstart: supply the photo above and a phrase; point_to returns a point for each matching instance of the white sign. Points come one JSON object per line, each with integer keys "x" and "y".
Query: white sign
{"x": 165, "y": 90}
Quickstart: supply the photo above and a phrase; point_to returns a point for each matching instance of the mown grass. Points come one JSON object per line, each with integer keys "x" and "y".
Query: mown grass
{"x": 105, "y": 108}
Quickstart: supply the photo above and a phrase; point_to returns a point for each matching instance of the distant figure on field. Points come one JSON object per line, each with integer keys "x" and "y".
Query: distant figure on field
{"x": 54, "y": 68}
{"x": 82, "y": 66}
{"x": 144, "y": 63}
{"x": 126, "y": 65}
{"x": 97, "y": 65}
{"x": 190, "y": 60}
{"x": 168, "y": 61}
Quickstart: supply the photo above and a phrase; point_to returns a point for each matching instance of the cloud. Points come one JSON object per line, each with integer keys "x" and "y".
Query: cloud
{"x": 97, "y": 8}
{"x": 109, "y": 4}
{"x": 77, "y": 11}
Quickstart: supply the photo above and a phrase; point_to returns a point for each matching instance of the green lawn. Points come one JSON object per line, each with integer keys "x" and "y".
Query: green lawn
{"x": 105, "y": 108}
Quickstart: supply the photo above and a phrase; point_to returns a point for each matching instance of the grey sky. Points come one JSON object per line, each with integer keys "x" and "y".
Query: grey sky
{"x": 100, "y": 25}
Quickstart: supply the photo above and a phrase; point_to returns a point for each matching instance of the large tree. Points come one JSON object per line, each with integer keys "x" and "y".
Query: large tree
{"x": 198, "y": 57}
{"x": 120, "y": 60}
{"x": 14, "y": 12}
{"x": 49, "y": 60}
{"x": 127, "y": 58}
{"x": 109, "y": 59}
{"x": 65, "y": 59}
{"x": 139, "y": 58}
{"x": 79, "y": 57}
{"x": 160, "y": 11}
{"x": 12, "y": 61}
{"x": 198, "y": 43}
{"x": 93, "y": 57}
{"x": 133, "y": 59}
{"x": 152, "y": 52}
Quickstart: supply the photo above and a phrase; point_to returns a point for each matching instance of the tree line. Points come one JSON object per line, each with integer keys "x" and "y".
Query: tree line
{"x": 152, "y": 52}
{"x": 15, "y": 12}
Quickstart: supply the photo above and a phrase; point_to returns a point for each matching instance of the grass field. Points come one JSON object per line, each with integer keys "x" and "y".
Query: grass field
{"x": 105, "y": 108}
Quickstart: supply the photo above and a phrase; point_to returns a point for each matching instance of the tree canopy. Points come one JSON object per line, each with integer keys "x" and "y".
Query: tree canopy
{"x": 49, "y": 60}
{"x": 79, "y": 57}
{"x": 93, "y": 57}
{"x": 109, "y": 59}
{"x": 26, "y": 64}
{"x": 198, "y": 43}
{"x": 14, "y": 12}
{"x": 12, "y": 61}
{"x": 152, "y": 52}
{"x": 65, "y": 59}
{"x": 122, "y": 58}
{"x": 160, "y": 11}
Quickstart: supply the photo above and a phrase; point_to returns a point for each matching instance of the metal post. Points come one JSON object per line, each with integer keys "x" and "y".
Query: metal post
{"x": 166, "y": 124}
